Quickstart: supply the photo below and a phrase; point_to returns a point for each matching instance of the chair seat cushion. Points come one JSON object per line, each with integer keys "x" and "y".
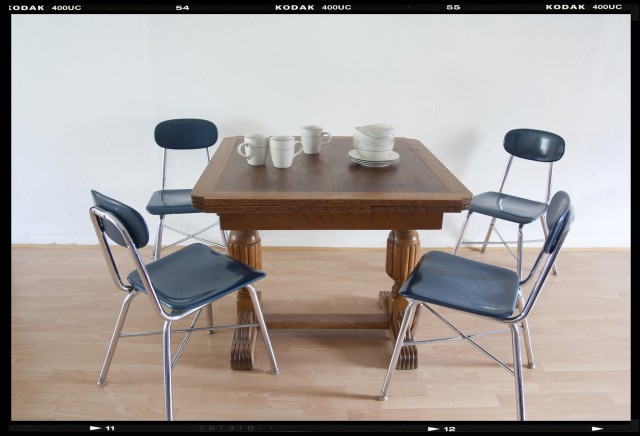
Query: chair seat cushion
{"x": 507, "y": 207}
{"x": 463, "y": 284}
{"x": 195, "y": 276}
{"x": 170, "y": 202}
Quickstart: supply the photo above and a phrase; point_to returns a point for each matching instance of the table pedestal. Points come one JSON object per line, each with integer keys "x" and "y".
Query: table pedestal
{"x": 245, "y": 246}
{"x": 403, "y": 252}
{"x": 403, "y": 247}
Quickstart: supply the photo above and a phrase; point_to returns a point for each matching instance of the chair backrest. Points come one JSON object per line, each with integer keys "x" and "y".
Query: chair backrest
{"x": 535, "y": 145}
{"x": 559, "y": 219}
{"x": 124, "y": 226}
{"x": 186, "y": 134}
{"x": 560, "y": 215}
{"x": 132, "y": 221}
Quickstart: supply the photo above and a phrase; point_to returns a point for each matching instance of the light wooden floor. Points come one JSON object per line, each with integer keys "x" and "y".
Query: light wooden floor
{"x": 64, "y": 305}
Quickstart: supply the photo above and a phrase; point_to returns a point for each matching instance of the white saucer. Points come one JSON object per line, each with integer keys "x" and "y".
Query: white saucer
{"x": 390, "y": 157}
{"x": 374, "y": 164}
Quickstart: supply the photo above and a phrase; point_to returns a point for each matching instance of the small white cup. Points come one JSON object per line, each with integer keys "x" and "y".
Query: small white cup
{"x": 254, "y": 148}
{"x": 283, "y": 150}
{"x": 311, "y": 137}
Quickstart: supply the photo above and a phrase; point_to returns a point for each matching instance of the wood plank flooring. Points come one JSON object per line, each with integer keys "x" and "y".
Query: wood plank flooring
{"x": 64, "y": 306}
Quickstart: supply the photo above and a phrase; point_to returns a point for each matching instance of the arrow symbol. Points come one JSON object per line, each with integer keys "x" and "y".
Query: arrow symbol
{"x": 94, "y": 428}
{"x": 596, "y": 428}
{"x": 432, "y": 428}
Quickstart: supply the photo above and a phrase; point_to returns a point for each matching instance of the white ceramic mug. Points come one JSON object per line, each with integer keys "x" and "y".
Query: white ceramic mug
{"x": 311, "y": 137}
{"x": 282, "y": 150}
{"x": 254, "y": 148}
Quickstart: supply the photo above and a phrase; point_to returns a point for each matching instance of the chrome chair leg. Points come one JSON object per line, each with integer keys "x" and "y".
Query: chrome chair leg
{"x": 517, "y": 370}
{"x": 224, "y": 238}
{"x": 545, "y": 230}
{"x": 464, "y": 227}
{"x": 183, "y": 344}
{"x": 166, "y": 360}
{"x": 406, "y": 321}
{"x": 102, "y": 378}
{"x": 158, "y": 244}
{"x": 263, "y": 329}
{"x": 526, "y": 335}
{"x": 209, "y": 312}
{"x": 486, "y": 239}
{"x": 520, "y": 302}
{"x": 519, "y": 252}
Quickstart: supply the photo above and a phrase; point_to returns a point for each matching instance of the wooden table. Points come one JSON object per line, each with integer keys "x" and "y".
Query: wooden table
{"x": 329, "y": 192}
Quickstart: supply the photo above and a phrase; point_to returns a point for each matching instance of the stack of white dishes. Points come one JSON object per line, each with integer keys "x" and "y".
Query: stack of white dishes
{"x": 374, "y": 145}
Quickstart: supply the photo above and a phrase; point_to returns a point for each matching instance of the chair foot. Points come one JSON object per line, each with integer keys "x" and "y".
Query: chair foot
{"x": 276, "y": 372}
{"x": 383, "y": 398}
{"x": 101, "y": 381}
{"x": 531, "y": 365}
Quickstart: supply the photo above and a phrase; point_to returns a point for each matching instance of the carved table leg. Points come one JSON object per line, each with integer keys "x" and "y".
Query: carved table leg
{"x": 245, "y": 246}
{"x": 403, "y": 252}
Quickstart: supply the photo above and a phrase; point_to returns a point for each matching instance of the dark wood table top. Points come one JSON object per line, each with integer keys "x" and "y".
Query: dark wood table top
{"x": 329, "y": 182}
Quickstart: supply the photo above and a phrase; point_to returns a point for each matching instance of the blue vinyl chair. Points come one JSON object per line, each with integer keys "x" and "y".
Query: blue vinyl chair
{"x": 483, "y": 290}
{"x": 180, "y": 134}
{"x": 530, "y": 144}
{"x": 177, "y": 285}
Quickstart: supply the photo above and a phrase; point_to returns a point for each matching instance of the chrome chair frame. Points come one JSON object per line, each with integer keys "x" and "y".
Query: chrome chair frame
{"x": 157, "y": 246}
{"x": 519, "y": 249}
{"x": 97, "y": 214}
{"x": 492, "y": 226}
{"x": 518, "y": 318}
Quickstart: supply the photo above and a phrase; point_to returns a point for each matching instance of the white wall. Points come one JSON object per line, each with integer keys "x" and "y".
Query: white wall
{"x": 87, "y": 91}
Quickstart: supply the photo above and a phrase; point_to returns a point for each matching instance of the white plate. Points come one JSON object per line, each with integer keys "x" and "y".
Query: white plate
{"x": 389, "y": 157}
{"x": 374, "y": 161}
{"x": 374, "y": 164}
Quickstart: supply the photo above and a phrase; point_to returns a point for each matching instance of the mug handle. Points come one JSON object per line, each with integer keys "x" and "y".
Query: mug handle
{"x": 294, "y": 147}
{"x": 328, "y": 140}
{"x": 239, "y": 150}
